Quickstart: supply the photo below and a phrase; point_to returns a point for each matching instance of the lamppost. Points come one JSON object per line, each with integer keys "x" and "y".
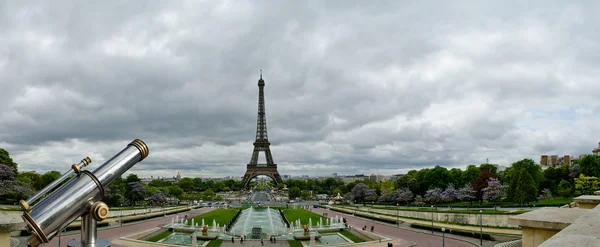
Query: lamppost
{"x": 121, "y": 214}
{"x": 480, "y": 228}
{"x": 443, "y": 240}
{"x": 397, "y": 214}
{"x": 431, "y": 219}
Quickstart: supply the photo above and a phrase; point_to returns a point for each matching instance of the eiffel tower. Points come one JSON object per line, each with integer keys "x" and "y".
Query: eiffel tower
{"x": 261, "y": 144}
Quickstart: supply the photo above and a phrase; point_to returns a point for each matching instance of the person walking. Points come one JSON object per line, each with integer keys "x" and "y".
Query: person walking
{"x": 261, "y": 242}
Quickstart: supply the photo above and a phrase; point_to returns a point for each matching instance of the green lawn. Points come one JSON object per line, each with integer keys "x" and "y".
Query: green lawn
{"x": 295, "y": 243}
{"x": 294, "y": 214}
{"x": 221, "y": 216}
{"x": 214, "y": 243}
{"x": 159, "y": 236}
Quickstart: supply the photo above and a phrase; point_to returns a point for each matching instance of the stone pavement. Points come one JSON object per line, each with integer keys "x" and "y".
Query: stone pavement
{"x": 118, "y": 231}
{"x": 421, "y": 239}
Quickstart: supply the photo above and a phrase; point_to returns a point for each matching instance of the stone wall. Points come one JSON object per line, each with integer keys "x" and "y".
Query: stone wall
{"x": 492, "y": 220}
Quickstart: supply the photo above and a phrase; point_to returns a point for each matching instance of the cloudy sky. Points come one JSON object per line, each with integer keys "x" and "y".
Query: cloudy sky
{"x": 351, "y": 86}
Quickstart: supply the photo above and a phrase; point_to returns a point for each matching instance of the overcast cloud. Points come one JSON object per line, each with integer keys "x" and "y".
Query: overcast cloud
{"x": 351, "y": 86}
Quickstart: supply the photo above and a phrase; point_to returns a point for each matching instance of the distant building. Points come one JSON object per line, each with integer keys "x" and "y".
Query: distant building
{"x": 555, "y": 161}
{"x": 376, "y": 178}
{"x": 596, "y": 151}
{"x": 334, "y": 174}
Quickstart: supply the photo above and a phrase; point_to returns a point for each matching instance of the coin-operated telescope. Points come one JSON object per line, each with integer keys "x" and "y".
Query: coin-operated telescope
{"x": 78, "y": 197}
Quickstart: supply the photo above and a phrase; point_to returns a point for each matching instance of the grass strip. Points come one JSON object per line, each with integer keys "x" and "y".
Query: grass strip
{"x": 304, "y": 215}
{"x": 159, "y": 236}
{"x": 295, "y": 243}
{"x": 220, "y": 216}
{"x": 214, "y": 243}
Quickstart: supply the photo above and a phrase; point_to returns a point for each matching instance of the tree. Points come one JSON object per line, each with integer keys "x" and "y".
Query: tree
{"x": 404, "y": 195}
{"x": 15, "y": 190}
{"x": 49, "y": 177}
{"x": 136, "y": 193}
{"x": 450, "y": 194}
{"x": 467, "y": 193}
{"x": 590, "y": 165}
{"x": 512, "y": 174}
{"x": 494, "y": 191}
{"x": 6, "y": 173}
{"x": 437, "y": 177}
{"x": 132, "y": 178}
{"x": 294, "y": 193}
{"x": 159, "y": 198}
{"x": 565, "y": 188}
{"x": 10, "y": 188}
{"x": 361, "y": 193}
{"x": 470, "y": 174}
{"x": 407, "y": 181}
{"x": 585, "y": 185}
{"x": 480, "y": 183}
{"x": 434, "y": 196}
{"x": 385, "y": 197}
{"x": 176, "y": 192}
{"x": 7, "y": 160}
{"x": 574, "y": 171}
{"x": 455, "y": 176}
{"x": 32, "y": 178}
{"x": 493, "y": 169}
{"x": 525, "y": 190}
{"x": 545, "y": 195}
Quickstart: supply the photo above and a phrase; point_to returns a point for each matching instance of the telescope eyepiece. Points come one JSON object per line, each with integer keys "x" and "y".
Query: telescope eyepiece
{"x": 140, "y": 145}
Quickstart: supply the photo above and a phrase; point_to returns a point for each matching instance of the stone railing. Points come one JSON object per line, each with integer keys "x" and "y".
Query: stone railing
{"x": 554, "y": 227}
{"x": 491, "y": 220}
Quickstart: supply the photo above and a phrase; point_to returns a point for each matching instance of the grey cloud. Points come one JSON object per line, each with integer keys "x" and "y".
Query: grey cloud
{"x": 351, "y": 86}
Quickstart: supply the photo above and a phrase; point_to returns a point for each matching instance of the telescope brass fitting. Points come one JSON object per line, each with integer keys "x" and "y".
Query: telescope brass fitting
{"x": 84, "y": 162}
{"x": 140, "y": 145}
{"x": 99, "y": 211}
{"x": 24, "y": 205}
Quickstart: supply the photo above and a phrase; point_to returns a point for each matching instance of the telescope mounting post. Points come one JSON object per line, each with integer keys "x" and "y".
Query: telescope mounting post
{"x": 89, "y": 232}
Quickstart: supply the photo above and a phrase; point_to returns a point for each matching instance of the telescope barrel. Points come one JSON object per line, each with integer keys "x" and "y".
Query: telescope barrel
{"x": 26, "y": 206}
{"x": 73, "y": 199}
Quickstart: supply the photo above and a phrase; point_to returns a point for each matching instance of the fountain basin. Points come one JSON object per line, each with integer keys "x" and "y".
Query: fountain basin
{"x": 306, "y": 235}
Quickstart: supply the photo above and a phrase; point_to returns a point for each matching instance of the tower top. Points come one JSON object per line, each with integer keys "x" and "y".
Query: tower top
{"x": 261, "y": 82}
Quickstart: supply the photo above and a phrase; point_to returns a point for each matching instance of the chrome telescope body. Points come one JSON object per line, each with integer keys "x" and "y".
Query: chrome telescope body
{"x": 80, "y": 196}
{"x": 75, "y": 168}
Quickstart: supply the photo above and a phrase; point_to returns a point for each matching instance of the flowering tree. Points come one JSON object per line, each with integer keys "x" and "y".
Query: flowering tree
{"x": 467, "y": 193}
{"x": 385, "y": 197}
{"x": 450, "y": 194}
{"x": 6, "y": 173}
{"x": 434, "y": 196}
{"x": 15, "y": 190}
{"x": 159, "y": 198}
{"x": 403, "y": 196}
{"x": 361, "y": 192}
{"x": 348, "y": 197}
{"x": 545, "y": 195}
{"x": 136, "y": 192}
{"x": 494, "y": 191}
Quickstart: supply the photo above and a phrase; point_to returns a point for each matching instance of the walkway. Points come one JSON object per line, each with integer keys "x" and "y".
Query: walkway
{"x": 118, "y": 231}
{"x": 421, "y": 239}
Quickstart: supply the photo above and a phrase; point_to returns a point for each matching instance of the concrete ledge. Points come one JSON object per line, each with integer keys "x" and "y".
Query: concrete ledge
{"x": 548, "y": 218}
{"x": 583, "y": 232}
{"x": 587, "y": 199}
{"x": 11, "y": 221}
